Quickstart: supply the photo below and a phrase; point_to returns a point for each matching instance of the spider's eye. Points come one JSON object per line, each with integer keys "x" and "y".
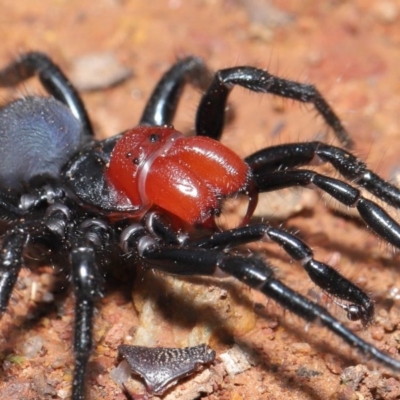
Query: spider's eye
{"x": 154, "y": 137}
{"x": 135, "y": 160}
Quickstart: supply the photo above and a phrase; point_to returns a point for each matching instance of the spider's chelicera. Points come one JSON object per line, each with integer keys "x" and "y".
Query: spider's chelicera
{"x": 146, "y": 191}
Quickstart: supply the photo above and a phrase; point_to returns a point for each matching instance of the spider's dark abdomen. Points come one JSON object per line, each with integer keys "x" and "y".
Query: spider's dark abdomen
{"x": 39, "y": 133}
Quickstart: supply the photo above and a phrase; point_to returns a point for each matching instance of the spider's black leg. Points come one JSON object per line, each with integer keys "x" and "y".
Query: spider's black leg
{"x": 375, "y": 216}
{"x": 324, "y": 276}
{"x": 52, "y": 78}
{"x": 13, "y": 244}
{"x": 87, "y": 283}
{"x": 256, "y": 274}
{"x": 12, "y": 247}
{"x": 297, "y": 154}
{"x": 210, "y": 114}
{"x": 84, "y": 270}
{"x": 358, "y": 305}
{"x": 161, "y": 107}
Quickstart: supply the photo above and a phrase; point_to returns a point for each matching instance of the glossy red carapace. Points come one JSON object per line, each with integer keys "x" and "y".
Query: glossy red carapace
{"x": 186, "y": 176}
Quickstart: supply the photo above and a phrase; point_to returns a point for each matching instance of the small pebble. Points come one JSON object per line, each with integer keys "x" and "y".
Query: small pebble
{"x": 121, "y": 373}
{"x": 98, "y": 71}
{"x": 32, "y": 346}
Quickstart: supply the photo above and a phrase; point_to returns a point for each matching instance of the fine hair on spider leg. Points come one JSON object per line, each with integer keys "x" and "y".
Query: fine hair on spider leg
{"x": 150, "y": 195}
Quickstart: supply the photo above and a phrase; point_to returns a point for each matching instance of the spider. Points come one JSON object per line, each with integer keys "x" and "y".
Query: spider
{"x": 153, "y": 194}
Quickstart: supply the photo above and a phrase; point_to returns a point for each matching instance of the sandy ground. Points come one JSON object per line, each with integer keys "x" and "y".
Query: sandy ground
{"x": 350, "y": 50}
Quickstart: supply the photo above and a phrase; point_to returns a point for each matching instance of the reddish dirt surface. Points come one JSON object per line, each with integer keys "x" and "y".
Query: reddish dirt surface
{"x": 350, "y": 50}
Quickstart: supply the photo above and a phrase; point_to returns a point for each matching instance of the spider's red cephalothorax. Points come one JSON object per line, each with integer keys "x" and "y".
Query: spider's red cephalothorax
{"x": 186, "y": 176}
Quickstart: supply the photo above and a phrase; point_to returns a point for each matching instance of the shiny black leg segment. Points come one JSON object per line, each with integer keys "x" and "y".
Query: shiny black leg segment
{"x": 210, "y": 114}
{"x": 358, "y": 305}
{"x": 294, "y": 155}
{"x": 374, "y": 216}
{"x": 256, "y": 274}
{"x": 313, "y": 312}
{"x": 11, "y": 254}
{"x": 11, "y": 260}
{"x": 52, "y": 78}
{"x": 161, "y": 107}
{"x": 88, "y": 284}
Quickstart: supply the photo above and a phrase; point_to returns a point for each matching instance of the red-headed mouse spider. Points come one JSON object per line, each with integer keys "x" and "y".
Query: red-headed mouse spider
{"x": 86, "y": 199}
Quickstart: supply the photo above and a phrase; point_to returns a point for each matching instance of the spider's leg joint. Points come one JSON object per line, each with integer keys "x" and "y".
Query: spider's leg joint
{"x": 145, "y": 243}
{"x": 57, "y": 216}
{"x": 129, "y": 236}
